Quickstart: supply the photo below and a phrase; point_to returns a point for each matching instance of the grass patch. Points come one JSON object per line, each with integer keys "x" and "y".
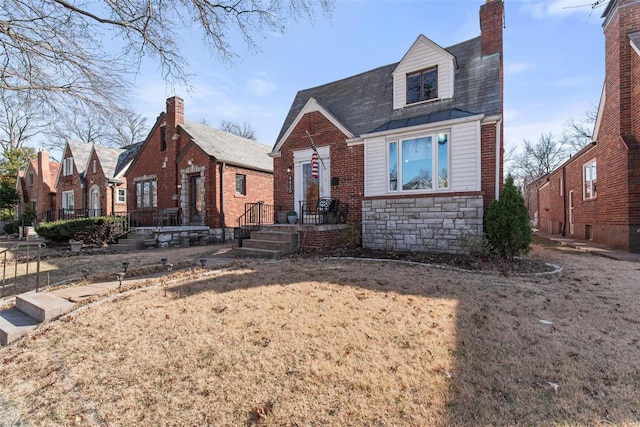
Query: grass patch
{"x": 308, "y": 341}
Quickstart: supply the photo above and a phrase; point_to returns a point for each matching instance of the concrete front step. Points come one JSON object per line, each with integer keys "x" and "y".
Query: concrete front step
{"x": 14, "y": 324}
{"x": 274, "y": 245}
{"x": 42, "y": 306}
{"x": 257, "y": 253}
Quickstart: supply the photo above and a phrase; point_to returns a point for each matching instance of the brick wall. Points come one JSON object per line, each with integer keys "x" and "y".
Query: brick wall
{"x": 347, "y": 164}
{"x": 488, "y": 134}
{"x": 69, "y": 183}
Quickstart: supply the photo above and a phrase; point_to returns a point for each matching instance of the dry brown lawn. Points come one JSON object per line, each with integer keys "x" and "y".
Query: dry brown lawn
{"x": 319, "y": 342}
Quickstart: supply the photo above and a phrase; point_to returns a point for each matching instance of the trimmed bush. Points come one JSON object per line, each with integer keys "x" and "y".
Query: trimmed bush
{"x": 11, "y": 227}
{"x": 507, "y": 227}
{"x": 96, "y": 231}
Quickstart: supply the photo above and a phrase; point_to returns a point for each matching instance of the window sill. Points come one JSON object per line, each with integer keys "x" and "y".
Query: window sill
{"x": 240, "y": 196}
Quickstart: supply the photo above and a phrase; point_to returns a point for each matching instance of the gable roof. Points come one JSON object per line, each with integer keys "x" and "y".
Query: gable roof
{"x": 53, "y": 172}
{"x": 364, "y": 102}
{"x": 108, "y": 159}
{"x": 229, "y": 148}
{"x": 80, "y": 151}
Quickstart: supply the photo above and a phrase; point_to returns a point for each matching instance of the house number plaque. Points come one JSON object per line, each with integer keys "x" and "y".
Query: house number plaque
{"x": 290, "y": 184}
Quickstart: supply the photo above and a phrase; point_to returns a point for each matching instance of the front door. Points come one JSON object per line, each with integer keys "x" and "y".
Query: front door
{"x": 196, "y": 199}
{"x": 94, "y": 203}
{"x": 307, "y": 188}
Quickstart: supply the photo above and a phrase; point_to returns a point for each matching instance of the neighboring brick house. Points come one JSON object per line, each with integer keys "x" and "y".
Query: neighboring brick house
{"x": 70, "y": 184}
{"x": 35, "y": 186}
{"x": 206, "y": 173}
{"x": 595, "y": 195}
{"x": 105, "y": 181}
{"x": 413, "y": 148}
{"x": 90, "y": 180}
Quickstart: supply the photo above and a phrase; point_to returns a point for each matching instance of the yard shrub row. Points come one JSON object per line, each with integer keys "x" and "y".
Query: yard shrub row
{"x": 95, "y": 231}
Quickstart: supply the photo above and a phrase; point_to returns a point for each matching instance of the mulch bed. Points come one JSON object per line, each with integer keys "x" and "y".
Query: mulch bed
{"x": 520, "y": 265}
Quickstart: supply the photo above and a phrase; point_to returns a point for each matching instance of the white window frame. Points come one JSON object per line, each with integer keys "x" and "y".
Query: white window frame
{"x": 95, "y": 168}
{"x": 589, "y": 180}
{"x": 65, "y": 200}
{"x": 67, "y": 166}
{"x": 121, "y": 195}
{"x": 31, "y": 179}
{"x": 243, "y": 191}
{"x": 435, "y": 167}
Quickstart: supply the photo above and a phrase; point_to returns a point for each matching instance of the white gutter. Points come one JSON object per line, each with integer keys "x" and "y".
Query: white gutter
{"x": 498, "y": 147}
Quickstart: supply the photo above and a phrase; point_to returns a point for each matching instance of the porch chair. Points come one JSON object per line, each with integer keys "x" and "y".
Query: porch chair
{"x": 323, "y": 211}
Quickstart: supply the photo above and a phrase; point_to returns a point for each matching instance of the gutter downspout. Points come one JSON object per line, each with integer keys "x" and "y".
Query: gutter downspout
{"x": 224, "y": 231}
{"x": 498, "y": 155}
{"x": 564, "y": 203}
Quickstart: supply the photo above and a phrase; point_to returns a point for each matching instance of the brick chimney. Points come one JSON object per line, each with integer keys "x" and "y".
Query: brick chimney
{"x": 175, "y": 115}
{"x": 491, "y": 23}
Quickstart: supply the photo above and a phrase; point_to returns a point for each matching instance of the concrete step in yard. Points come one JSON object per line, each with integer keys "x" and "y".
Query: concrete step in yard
{"x": 14, "y": 324}
{"x": 268, "y": 244}
{"x": 133, "y": 242}
{"x": 32, "y": 308}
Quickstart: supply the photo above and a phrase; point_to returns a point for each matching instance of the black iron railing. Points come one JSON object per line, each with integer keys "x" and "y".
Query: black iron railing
{"x": 255, "y": 215}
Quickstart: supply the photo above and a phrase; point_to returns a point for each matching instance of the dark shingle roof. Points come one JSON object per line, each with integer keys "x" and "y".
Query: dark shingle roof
{"x": 127, "y": 155}
{"x": 364, "y": 102}
{"x": 229, "y": 148}
{"x": 424, "y": 119}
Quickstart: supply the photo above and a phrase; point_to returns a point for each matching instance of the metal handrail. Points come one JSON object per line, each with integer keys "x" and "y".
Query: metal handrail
{"x": 255, "y": 214}
{"x": 17, "y": 247}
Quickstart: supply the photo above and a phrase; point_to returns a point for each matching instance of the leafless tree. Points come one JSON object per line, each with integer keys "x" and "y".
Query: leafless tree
{"x": 21, "y": 119}
{"x": 71, "y": 50}
{"x": 244, "y": 130}
{"x": 82, "y": 124}
{"x": 579, "y": 133}
{"x": 539, "y": 158}
{"x": 132, "y": 128}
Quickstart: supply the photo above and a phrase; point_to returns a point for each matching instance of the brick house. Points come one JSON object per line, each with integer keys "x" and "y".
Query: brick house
{"x": 35, "y": 186}
{"x": 90, "y": 180}
{"x": 207, "y": 174}
{"x": 413, "y": 148}
{"x": 70, "y": 183}
{"x": 104, "y": 177}
{"x": 570, "y": 201}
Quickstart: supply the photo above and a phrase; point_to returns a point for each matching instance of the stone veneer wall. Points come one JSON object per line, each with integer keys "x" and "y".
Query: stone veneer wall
{"x": 451, "y": 224}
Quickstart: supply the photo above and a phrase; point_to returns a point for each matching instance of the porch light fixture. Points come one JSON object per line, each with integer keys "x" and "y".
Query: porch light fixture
{"x": 190, "y": 162}
{"x": 289, "y": 170}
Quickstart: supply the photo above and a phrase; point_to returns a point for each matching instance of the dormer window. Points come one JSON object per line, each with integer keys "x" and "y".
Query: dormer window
{"x": 422, "y": 86}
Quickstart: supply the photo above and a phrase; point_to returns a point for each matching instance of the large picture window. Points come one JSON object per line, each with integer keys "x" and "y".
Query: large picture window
{"x": 147, "y": 194}
{"x": 422, "y": 86}
{"x": 419, "y": 163}
{"x": 589, "y": 179}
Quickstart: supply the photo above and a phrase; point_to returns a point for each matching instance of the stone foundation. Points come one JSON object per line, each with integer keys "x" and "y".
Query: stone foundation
{"x": 451, "y": 224}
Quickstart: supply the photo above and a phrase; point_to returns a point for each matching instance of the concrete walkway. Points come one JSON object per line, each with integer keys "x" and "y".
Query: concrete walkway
{"x": 594, "y": 248}
{"x": 33, "y": 308}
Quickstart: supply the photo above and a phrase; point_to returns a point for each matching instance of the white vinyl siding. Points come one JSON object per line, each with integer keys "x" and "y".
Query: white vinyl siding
{"x": 375, "y": 167}
{"x": 465, "y": 157}
{"x": 422, "y": 55}
{"x": 464, "y": 160}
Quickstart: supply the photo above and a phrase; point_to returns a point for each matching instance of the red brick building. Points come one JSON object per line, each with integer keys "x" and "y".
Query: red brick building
{"x": 414, "y": 148}
{"x": 36, "y": 186}
{"x": 207, "y": 174}
{"x": 596, "y": 194}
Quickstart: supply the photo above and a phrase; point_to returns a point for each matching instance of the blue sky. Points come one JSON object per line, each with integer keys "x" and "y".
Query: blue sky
{"x": 553, "y": 53}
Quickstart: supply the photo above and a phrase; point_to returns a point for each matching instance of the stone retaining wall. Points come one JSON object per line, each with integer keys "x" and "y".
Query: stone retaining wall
{"x": 451, "y": 224}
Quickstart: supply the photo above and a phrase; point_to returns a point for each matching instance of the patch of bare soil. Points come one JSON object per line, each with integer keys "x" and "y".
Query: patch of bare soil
{"x": 344, "y": 342}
